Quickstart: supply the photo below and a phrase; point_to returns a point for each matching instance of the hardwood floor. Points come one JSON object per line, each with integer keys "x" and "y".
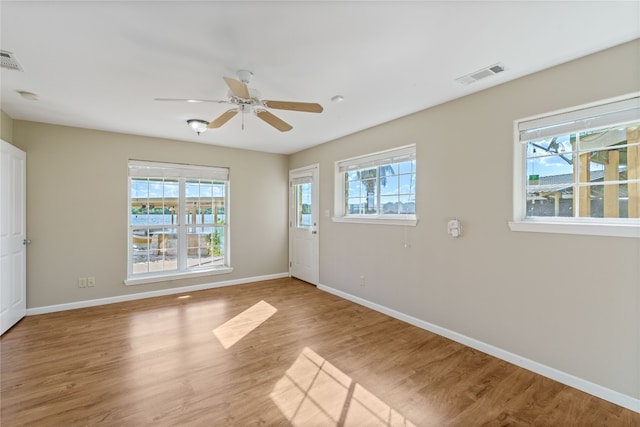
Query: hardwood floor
{"x": 278, "y": 352}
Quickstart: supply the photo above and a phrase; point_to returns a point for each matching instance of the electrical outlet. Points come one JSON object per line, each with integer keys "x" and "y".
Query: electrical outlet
{"x": 91, "y": 282}
{"x": 362, "y": 281}
{"x": 82, "y": 282}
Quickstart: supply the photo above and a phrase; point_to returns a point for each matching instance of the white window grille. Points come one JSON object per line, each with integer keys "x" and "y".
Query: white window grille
{"x": 177, "y": 221}
{"x": 578, "y": 171}
{"x": 378, "y": 187}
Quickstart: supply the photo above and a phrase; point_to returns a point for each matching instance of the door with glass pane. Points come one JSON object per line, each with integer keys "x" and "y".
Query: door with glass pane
{"x": 303, "y": 224}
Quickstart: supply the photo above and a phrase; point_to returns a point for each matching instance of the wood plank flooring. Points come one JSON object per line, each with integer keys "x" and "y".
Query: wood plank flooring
{"x": 294, "y": 356}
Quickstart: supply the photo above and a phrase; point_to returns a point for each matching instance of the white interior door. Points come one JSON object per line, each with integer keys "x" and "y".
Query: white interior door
{"x": 13, "y": 236}
{"x": 303, "y": 224}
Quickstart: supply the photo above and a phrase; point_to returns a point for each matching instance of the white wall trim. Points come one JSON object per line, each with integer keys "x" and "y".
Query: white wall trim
{"x": 612, "y": 396}
{"x": 142, "y": 295}
{"x": 177, "y": 276}
{"x": 409, "y": 220}
{"x": 631, "y": 229}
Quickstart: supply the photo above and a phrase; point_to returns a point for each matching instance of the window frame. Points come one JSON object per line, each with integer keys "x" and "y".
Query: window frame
{"x": 183, "y": 173}
{"x": 614, "y": 227}
{"x": 361, "y": 162}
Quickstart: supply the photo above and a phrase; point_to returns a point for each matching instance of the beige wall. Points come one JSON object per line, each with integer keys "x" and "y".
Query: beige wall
{"x": 6, "y": 127}
{"x": 568, "y": 302}
{"x": 77, "y": 205}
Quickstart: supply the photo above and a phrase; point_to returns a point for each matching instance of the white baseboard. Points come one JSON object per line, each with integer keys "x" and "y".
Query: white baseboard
{"x": 531, "y": 365}
{"x": 142, "y": 295}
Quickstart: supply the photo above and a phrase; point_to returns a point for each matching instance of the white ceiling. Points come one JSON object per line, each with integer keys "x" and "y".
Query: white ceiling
{"x": 100, "y": 65}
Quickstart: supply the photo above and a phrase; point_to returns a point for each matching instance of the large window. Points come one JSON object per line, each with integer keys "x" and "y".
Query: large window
{"x": 178, "y": 221}
{"x": 379, "y": 187}
{"x": 581, "y": 168}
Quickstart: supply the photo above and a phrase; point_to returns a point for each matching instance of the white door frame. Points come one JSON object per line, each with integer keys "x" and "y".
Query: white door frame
{"x": 311, "y": 272}
{"x": 13, "y": 235}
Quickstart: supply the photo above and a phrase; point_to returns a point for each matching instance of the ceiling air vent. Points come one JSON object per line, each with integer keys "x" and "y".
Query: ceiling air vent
{"x": 481, "y": 74}
{"x": 7, "y": 60}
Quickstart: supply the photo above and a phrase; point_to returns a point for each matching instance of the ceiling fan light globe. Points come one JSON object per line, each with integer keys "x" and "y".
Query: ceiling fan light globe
{"x": 197, "y": 125}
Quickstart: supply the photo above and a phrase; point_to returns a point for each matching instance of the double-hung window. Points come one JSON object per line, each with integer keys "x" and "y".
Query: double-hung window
{"x": 377, "y": 188}
{"x": 578, "y": 171}
{"x": 178, "y": 221}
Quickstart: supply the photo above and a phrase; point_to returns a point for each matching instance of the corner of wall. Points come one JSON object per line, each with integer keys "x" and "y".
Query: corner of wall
{"x": 6, "y": 127}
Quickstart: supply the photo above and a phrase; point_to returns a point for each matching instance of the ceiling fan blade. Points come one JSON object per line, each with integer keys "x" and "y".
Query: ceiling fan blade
{"x": 194, "y": 100}
{"x": 238, "y": 88}
{"x": 222, "y": 119}
{"x": 274, "y": 121}
{"x": 308, "y": 107}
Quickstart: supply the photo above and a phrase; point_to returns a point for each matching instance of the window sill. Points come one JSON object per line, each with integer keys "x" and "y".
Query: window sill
{"x": 589, "y": 229}
{"x": 410, "y": 221}
{"x": 176, "y": 276}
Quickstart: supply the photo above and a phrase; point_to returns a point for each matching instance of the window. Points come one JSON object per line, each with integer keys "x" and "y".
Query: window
{"x": 178, "y": 221}
{"x": 302, "y": 197}
{"x": 578, "y": 171}
{"x": 379, "y": 187}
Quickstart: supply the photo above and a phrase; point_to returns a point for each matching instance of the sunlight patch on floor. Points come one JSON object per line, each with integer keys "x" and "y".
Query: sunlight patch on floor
{"x": 314, "y": 392}
{"x": 238, "y": 327}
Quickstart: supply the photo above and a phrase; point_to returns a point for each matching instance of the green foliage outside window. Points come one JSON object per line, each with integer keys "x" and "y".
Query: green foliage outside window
{"x": 215, "y": 243}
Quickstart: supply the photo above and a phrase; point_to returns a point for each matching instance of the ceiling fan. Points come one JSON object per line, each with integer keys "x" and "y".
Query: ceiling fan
{"x": 247, "y": 100}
